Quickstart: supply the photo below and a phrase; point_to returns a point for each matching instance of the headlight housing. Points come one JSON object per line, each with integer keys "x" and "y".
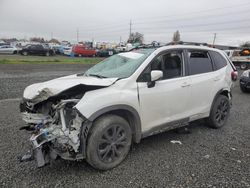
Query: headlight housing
{"x": 245, "y": 74}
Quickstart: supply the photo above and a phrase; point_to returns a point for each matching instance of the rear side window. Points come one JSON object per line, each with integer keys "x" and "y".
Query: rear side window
{"x": 219, "y": 61}
{"x": 199, "y": 62}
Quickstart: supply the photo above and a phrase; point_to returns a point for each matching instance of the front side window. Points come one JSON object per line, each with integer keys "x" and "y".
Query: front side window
{"x": 170, "y": 63}
{"x": 121, "y": 65}
{"x": 33, "y": 47}
{"x": 199, "y": 62}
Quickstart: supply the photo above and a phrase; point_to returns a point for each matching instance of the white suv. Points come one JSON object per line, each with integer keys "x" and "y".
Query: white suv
{"x": 97, "y": 115}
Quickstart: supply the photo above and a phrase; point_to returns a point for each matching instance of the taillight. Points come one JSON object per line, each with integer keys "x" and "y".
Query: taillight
{"x": 234, "y": 75}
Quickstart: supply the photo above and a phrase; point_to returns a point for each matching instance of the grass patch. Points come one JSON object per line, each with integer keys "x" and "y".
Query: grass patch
{"x": 8, "y": 59}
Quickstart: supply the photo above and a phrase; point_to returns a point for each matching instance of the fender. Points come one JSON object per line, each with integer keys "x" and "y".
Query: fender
{"x": 135, "y": 126}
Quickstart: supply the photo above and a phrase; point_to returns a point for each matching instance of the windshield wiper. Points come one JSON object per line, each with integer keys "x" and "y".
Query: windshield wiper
{"x": 97, "y": 75}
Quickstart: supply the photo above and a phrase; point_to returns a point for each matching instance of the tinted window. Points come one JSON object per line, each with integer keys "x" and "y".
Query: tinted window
{"x": 39, "y": 47}
{"x": 219, "y": 61}
{"x": 32, "y": 47}
{"x": 199, "y": 62}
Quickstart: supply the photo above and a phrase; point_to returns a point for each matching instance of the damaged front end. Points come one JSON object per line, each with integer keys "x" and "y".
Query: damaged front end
{"x": 58, "y": 129}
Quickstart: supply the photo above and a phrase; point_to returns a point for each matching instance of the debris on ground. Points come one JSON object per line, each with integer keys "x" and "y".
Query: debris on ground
{"x": 233, "y": 149}
{"x": 206, "y": 156}
{"x": 176, "y": 142}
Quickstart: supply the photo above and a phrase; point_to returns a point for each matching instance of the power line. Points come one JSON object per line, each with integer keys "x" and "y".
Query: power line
{"x": 161, "y": 19}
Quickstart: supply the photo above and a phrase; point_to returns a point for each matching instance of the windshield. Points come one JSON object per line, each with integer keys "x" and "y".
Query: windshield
{"x": 121, "y": 65}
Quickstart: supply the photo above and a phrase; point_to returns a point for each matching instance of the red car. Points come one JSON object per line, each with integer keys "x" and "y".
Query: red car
{"x": 81, "y": 50}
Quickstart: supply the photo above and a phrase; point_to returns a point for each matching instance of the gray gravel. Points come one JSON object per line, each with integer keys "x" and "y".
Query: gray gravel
{"x": 14, "y": 78}
{"x": 206, "y": 158}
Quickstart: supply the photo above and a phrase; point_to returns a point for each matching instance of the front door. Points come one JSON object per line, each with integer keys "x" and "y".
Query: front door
{"x": 167, "y": 100}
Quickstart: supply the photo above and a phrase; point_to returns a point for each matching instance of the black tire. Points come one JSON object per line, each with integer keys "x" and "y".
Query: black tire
{"x": 47, "y": 54}
{"x": 219, "y": 112}
{"x": 243, "y": 89}
{"x": 109, "y": 142}
{"x": 243, "y": 66}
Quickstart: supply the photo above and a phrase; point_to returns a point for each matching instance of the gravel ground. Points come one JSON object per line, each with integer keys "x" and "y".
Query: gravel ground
{"x": 14, "y": 78}
{"x": 206, "y": 158}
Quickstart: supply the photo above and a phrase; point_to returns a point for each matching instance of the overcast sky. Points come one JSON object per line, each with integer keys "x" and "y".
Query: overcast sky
{"x": 108, "y": 20}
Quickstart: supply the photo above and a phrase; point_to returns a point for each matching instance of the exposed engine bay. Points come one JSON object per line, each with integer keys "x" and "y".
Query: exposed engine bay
{"x": 55, "y": 130}
{"x": 58, "y": 129}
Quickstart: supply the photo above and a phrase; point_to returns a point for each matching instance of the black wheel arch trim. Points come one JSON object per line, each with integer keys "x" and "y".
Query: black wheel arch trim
{"x": 136, "y": 125}
{"x": 219, "y": 93}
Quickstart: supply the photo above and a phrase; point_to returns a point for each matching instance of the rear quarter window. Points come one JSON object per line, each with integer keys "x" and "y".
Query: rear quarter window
{"x": 219, "y": 60}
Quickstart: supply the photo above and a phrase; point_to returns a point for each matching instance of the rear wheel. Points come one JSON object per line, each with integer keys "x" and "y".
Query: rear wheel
{"x": 219, "y": 113}
{"x": 109, "y": 142}
{"x": 25, "y": 53}
{"x": 47, "y": 54}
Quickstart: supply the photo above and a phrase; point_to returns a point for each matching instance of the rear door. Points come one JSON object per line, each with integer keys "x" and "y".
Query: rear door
{"x": 203, "y": 78}
{"x": 167, "y": 100}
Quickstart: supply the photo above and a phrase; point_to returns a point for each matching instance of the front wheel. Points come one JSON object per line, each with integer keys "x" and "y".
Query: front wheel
{"x": 109, "y": 142}
{"x": 243, "y": 89}
{"x": 219, "y": 113}
{"x": 47, "y": 54}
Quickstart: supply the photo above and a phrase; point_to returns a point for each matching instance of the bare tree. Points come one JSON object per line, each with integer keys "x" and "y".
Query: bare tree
{"x": 37, "y": 39}
{"x": 245, "y": 44}
{"x": 176, "y": 36}
{"x": 54, "y": 41}
{"x": 136, "y": 38}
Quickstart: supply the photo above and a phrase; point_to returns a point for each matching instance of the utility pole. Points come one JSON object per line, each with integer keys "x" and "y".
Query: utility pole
{"x": 51, "y": 35}
{"x": 130, "y": 28}
{"x": 120, "y": 39}
{"x": 77, "y": 35}
{"x": 215, "y": 34}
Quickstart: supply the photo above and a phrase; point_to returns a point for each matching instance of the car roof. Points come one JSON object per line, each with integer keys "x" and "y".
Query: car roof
{"x": 187, "y": 47}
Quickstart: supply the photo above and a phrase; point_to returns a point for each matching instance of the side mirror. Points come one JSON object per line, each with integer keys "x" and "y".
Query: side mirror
{"x": 155, "y": 75}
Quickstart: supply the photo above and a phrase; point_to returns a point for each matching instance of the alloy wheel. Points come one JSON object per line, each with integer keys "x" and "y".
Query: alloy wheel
{"x": 112, "y": 143}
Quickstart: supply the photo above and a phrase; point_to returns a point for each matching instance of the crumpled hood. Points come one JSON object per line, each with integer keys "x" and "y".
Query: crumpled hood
{"x": 41, "y": 91}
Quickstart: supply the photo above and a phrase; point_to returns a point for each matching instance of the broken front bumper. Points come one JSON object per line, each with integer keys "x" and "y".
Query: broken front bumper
{"x": 64, "y": 134}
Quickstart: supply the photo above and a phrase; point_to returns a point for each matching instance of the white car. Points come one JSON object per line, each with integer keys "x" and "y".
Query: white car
{"x": 67, "y": 50}
{"x": 7, "y": 49}
{"x": 97, "y": 115}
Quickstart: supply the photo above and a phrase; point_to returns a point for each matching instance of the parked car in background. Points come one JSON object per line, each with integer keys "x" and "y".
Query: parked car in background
{"x": 245, "y": 81}
{"x": 7, "y": 49}
{"x": 106, "y": 52}
{"x": 67, "y": 50}
{"x": 98, "y": 115}
{"x": 37, "y": 49}
{"x": 81, "y": 50}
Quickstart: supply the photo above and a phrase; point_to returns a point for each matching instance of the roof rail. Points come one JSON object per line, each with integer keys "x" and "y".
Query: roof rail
{"x": 186, "y": 43}
{"x": 145, "y": 46}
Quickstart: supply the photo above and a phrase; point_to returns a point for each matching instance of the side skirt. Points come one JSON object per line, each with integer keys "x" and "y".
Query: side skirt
{"x": 166, "y": 127}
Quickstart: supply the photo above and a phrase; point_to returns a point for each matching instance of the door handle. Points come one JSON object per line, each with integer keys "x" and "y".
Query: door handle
{"x": 185, "y": 84}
